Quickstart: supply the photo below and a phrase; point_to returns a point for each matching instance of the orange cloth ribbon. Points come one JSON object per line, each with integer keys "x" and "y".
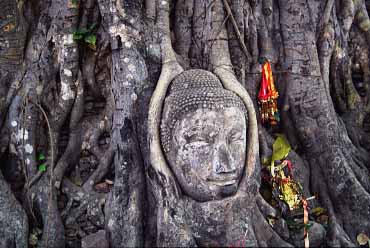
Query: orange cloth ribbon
{"x": 267, "y": 96}
{"x": 305, "y": 221}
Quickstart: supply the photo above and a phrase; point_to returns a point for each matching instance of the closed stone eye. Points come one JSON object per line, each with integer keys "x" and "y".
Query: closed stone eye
{"x": 197, "y": 138}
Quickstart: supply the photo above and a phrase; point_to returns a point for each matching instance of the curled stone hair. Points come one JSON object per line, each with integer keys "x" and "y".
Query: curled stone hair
{"x": 191, "y": 90}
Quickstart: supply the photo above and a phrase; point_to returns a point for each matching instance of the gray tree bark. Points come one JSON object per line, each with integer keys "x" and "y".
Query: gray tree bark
{"x": 84, "y": 105}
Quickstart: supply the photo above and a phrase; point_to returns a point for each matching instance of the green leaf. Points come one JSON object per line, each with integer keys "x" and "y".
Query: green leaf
{"x": 90, "y": 39}
{"x": 266, "y": 161}
{"x": 294, "y": 225}
{"x": 42, "y": 167}
{"x": 33, "y": 238}
{"x": 77, "y": 36}
{"x": 41, "y": 156}
{"x": 318, "y": 211}
{"x": 308, "y": 226}
{"x": 281, "y": 148}
{"x": 82, "y": 31}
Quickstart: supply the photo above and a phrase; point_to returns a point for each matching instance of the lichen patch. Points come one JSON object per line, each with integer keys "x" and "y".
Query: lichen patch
{"x": 28, "y": 148}
{"x": 66, "y": 91}
{"x": 22, "y": 135}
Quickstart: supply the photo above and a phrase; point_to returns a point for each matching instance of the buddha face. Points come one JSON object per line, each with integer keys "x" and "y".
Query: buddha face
{"x": 207, "y": 152}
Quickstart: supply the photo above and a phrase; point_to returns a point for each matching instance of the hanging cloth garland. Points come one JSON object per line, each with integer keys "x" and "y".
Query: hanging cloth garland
{"x": 267, "y": 97}
{"x": 305, "y": 221}
{"x": 290, "y": 190}
{"x": 291, "y": 193}
{"x": 283, "y": 184}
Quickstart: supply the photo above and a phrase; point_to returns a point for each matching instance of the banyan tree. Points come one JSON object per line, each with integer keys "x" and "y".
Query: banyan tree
{"x": 139, "y": 123}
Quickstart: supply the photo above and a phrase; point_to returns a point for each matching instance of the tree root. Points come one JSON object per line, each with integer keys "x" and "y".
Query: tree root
{"x": 13, "y": 219}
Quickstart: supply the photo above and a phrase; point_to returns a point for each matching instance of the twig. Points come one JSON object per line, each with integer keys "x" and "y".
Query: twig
{"x": 242, "y": 44}
{"x": 34, "y": 179}
{"x": 51, "y": 170}
{"x": 50, "y": 136}
{"x": 25, "y": 168}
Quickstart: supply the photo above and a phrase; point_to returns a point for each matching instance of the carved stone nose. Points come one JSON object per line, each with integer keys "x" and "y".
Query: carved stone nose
{"x": 223, "y": 160}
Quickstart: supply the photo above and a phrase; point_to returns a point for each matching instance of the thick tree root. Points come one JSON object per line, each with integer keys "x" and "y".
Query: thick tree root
{"x": 13, "y": 219}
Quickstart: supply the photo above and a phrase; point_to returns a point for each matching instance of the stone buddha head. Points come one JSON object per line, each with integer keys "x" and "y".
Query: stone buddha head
{"x": 204, "y": 135}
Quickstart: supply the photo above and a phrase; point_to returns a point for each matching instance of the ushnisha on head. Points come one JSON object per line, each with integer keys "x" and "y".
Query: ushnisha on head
{"x": 203, "y": 134}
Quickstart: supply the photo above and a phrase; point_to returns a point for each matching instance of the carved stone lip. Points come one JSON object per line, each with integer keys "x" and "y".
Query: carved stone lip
{"x": 222, "y": 181}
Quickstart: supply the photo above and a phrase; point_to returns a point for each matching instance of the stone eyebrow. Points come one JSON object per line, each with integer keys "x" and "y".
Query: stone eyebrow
{"x": 199, "y": 129}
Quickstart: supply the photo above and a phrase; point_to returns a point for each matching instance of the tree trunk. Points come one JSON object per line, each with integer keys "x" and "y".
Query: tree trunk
{"x": 81, "y": 91}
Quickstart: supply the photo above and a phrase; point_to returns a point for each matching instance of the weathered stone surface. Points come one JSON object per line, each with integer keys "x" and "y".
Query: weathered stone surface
{"x": 13, "y": 219}
{"x": 95, "y": 240}
{"x": 281, "y": 228}
{"x": 316, "y": 234}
